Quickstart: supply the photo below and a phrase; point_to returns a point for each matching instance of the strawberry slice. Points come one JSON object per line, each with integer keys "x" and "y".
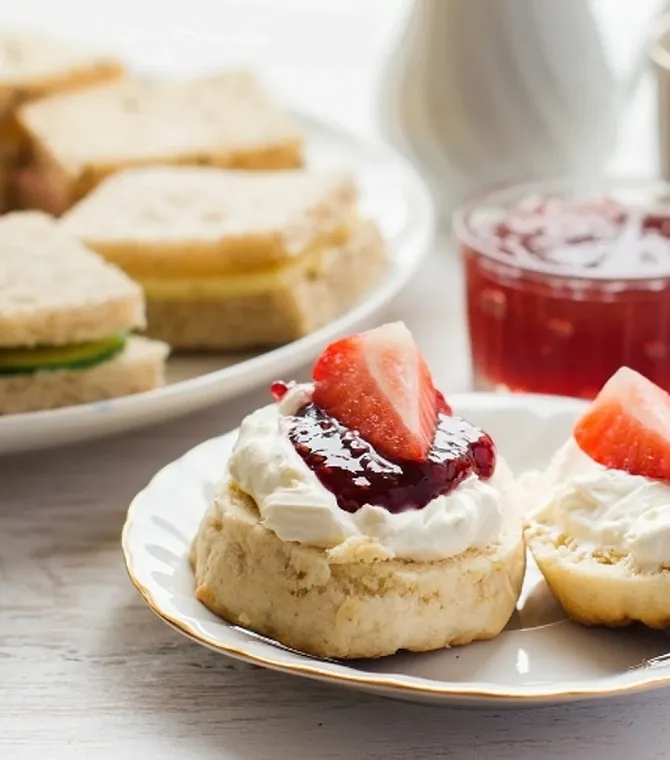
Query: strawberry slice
{"x": 378, "y": 384}
{"x": 627, "y": 426}
{"x": 442, "y": 405}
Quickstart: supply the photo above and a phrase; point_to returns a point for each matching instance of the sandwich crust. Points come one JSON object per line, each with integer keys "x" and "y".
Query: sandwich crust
{"x": 351, "y": 601}
{"x": 139, "y": 367}
{"x": 54, "y": 291}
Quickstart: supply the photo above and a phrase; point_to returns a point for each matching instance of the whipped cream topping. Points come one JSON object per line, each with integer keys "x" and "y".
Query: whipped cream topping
{"x": 603, "y": 509}
{"x": 295, "y": 505}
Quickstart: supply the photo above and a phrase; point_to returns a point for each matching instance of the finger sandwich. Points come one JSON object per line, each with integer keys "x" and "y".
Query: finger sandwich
{"x": 65, "y": 322}
{"x": 234, "y": 259}
{"x": 77, "y": 139}
{"x": 33, "y": 66}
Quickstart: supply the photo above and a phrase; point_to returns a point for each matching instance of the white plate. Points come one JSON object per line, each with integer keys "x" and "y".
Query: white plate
{"x": 541, "y": 657}
{"x": 391, "y": 193}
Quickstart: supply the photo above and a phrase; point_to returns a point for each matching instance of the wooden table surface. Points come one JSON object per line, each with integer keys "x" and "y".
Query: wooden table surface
{"x": 86, "y": 670}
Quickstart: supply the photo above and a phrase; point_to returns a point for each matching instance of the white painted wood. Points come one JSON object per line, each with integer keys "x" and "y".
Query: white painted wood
{"x": 86, "y": 670}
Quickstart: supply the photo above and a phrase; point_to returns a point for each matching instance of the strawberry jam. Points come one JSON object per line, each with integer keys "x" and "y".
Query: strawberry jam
{"x": 357, "y": 474}
{"x": 563, "y": 289}
{"x": 279, "y": 389}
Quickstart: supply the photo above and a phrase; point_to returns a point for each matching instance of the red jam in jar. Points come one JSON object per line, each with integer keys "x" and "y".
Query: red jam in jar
{"x": 562, "y": 290}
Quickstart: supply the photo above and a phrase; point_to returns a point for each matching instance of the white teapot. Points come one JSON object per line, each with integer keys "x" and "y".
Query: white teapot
{"x": 483, "y": 91}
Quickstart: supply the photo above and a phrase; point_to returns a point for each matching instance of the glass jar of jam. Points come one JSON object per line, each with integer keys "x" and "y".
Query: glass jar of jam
{"x": 566, "y": 282}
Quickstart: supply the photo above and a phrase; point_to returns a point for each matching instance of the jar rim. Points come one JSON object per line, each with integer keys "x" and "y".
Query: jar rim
{"x": 600, "y": 186}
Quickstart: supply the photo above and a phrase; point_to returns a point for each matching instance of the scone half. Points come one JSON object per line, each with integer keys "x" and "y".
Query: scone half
{"x": 599, "y": 588}
{"x": 598, "y": 523}
{"x": 351, "y": 602}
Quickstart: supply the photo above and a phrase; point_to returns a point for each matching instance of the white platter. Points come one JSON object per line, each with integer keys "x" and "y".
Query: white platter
{"x": 540, "y": 658}
{"x": 391, "y": 193}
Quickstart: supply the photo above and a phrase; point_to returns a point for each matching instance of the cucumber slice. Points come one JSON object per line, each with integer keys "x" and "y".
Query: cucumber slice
{"x": 25, "y": 361}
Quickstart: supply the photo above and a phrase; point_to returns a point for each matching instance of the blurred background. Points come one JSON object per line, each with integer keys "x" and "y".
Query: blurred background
{"x": 328, "y": 56}
{"x": 474, "y": 93}
{"x": 323, "y": 55}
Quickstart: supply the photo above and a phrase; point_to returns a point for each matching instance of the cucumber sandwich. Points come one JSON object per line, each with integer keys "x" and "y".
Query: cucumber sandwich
{"x": 26, "y": 361}
{"x": 66, "y": 322}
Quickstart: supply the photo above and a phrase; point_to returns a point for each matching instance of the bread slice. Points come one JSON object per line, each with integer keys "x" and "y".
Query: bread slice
{"x": 350, "y": 602}
{"x": 140, "y": 367}
{"x": 303, "y": 298}
{"x": 33, "y": 65}
{"x": 54, "y": 291}
{"x": 195, "y": 221}
{"x": 224, "y": 120}
{"x": 595, "y": 586}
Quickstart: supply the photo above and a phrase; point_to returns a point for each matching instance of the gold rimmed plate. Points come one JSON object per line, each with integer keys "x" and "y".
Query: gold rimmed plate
{"x": 540, "y": 658}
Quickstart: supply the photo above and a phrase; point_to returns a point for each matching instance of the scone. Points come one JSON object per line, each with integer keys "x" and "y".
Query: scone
{"x": 78, "y": 139}
{"x": 234, "y": 260}
{"x": 66, "y": 318}
{"x": 33, "y": 66}
{"x": 600, "y": 526}
{"x": 359, "y": 516}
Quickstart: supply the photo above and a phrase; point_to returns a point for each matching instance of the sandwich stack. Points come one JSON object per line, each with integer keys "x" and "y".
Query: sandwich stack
{"x": 65, "y": 322}
{"x": 79, "y": 138}
{"x": 234, "y": 259}
{"x": 34, "y": 66}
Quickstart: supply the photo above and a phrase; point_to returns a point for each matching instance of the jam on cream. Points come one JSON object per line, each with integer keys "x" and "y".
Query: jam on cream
{"x": 604, "y": 509}
{"x": 296, "y": 506}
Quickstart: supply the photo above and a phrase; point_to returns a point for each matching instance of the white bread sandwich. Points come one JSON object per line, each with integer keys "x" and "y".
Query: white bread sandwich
{"x": 65, "y": 322}
{"x": 358, "y": 515}
{"x": 77, "y": 139}
{"x": 599, "y": 526}
{"x": 234, "y": 259}
{"x": 33, "y": 66}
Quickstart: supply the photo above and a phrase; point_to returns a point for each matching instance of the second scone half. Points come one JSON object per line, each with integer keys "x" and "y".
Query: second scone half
{"x": 336, "y": 562}
{"x": 599, "y": 524}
